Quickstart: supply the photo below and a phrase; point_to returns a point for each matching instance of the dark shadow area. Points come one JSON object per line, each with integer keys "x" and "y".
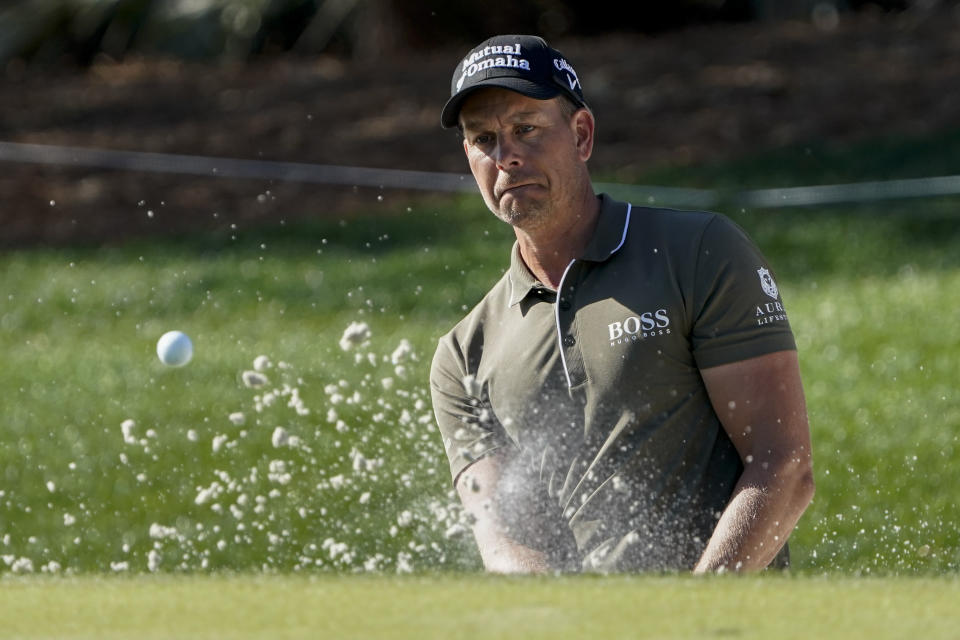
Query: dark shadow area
{"x": 759, "y": 104}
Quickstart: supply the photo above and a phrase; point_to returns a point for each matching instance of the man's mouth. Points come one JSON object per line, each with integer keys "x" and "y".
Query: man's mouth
{"x": 514, "y": 187}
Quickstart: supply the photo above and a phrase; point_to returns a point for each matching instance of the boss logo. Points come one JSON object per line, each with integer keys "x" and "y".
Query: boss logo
{"x": 645, "y": 325}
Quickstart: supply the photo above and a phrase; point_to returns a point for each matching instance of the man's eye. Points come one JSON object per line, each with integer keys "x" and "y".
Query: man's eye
{"x": 482, "y": 139}
{"x": 525, "y": 128}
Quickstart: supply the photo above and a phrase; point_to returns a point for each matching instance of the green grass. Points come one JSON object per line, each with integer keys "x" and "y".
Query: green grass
{"x": 78, "y": 330}
{"x": 872, "y": 295}
{"x": 821, "y": 162}
{"x": 479, "y": 607}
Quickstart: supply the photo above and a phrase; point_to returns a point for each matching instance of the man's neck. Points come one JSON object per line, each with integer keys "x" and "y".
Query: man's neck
{"x": 548, "y": 250}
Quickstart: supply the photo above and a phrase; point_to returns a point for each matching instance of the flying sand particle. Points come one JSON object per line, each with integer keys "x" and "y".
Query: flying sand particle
{"x": 278, "y": 473}
{"x": 253, "y": 379}
{"x": 402, "y": 353}
{"x": 280, "y": 437}
{"x": 471, "y": 386}
{"x": 218, "y": 442}
{"x": 153, "y": 560}
{"x": 356, "y": 333}
{"x": 127, "y": 427}
{"x": 21, "y": 565}
{"x": 159, "y": 531}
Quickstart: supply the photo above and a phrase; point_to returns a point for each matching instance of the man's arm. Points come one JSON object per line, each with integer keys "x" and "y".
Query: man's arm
{"x": 761, "y": 406}
{"x": 481, "y": 492}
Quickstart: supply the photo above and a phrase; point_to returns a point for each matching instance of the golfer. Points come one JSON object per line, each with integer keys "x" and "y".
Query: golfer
{"x": 627, "y": 397}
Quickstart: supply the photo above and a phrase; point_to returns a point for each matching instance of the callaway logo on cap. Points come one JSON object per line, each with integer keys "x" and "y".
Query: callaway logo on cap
{"x": 525, "y": 64}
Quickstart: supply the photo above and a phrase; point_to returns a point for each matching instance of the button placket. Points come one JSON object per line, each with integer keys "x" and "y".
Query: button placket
{"x": 567, "y": 326}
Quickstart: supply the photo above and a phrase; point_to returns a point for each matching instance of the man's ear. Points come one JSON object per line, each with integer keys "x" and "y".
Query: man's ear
{"x": 583, "y": 126}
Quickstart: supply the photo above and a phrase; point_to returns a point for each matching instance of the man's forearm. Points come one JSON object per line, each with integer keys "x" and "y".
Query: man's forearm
{"x": 496, "y": 519}
{"x": 499, "y": 551}
{"x": 505, "y": 556}
{"x": 766, "y": 505}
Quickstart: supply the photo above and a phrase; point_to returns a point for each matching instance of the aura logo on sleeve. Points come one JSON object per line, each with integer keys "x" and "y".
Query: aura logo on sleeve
{"x": 768, "y": 284}
{"x": 768, "y": 312}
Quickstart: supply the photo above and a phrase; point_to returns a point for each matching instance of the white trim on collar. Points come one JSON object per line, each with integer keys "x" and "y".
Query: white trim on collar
{"x": 626, "y": 226}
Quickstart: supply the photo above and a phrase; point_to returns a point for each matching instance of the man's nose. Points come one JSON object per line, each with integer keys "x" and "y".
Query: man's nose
{"x": 507, "y": 154}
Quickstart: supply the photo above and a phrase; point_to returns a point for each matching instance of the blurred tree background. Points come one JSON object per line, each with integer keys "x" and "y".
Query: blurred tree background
{"x": 78, "y": 31}
{"x": 674, "y": 85}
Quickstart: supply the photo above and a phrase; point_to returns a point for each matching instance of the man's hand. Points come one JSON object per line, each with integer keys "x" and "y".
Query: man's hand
{"x": 487, "y": 495}
{"x": 761, "y": 406}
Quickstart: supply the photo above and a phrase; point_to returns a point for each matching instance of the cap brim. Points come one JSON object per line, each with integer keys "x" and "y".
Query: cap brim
{"x": 451, "y": 110}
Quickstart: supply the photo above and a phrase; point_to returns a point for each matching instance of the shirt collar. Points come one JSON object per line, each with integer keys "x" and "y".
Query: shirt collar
{"x": 608, "y": 236}
{"x": 522, "y": 281}
{"x": 611, "y": 230}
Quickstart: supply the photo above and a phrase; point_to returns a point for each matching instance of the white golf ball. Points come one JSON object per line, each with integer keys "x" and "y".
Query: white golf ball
{"x": 174, "y": 348}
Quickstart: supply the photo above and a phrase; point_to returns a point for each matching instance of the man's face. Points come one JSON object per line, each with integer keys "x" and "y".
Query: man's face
{"x": 527, "y": 156}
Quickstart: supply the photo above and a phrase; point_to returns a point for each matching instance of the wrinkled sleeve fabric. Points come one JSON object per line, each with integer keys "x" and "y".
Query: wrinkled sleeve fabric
{"x": 737, "y": 309}
{"x": 468, "y": 426}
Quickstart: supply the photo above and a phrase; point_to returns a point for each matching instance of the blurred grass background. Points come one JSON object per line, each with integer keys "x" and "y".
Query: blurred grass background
{"x": 872, "y": 294}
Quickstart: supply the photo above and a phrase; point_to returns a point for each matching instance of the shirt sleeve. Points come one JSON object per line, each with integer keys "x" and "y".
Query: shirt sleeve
{"x": 738, "y": 312}
{"x": 469, "y": 428}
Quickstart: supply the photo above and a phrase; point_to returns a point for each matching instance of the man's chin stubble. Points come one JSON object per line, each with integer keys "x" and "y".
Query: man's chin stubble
{"x": 522, "y": 217}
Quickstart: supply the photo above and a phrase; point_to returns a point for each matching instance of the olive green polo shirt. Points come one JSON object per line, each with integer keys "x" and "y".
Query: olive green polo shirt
{"x": 593, "y": 392}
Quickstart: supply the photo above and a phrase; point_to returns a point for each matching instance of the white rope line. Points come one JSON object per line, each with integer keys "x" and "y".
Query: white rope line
{"x": 454, "y": 182}
{"x": 234, "y": 168}
{"x": 854, "y": 192}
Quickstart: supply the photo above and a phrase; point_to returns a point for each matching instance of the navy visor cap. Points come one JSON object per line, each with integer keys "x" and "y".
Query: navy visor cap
{"x": 525, "y": 64}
